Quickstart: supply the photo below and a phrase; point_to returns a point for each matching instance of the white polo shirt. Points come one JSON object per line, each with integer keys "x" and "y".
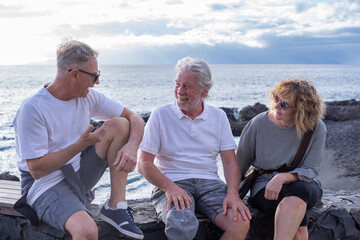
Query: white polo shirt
{"x": 186, "y": 148}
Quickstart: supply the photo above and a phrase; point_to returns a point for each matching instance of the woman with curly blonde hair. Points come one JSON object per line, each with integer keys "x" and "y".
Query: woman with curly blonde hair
{"x": 270, "y": 141}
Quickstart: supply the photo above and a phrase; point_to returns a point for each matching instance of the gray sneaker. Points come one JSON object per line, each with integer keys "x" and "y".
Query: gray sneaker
{"x": 122, "y": 220}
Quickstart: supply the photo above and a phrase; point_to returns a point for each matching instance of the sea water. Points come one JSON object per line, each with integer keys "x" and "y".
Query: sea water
{"x": 143, "y": 88}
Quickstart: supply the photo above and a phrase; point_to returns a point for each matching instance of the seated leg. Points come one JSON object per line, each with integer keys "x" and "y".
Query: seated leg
{"x": 232, "y": 229}
{"x": 116, "y": 137}
{"x": 288, "y": 216}
{"x": 81, "y": 226}
{"x": 212, "y": 194}
{"x": 61, "y": 208}
{"x": 115, "y": 211}
{"x": 305, "y": 195}
{"x": 302, "y": 233}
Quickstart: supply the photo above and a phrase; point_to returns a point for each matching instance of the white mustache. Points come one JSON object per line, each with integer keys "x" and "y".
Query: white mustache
{"x": 182, "y": 97}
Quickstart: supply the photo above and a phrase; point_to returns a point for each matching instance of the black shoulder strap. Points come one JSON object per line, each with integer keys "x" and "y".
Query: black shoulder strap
{"x": 302, "y": 149}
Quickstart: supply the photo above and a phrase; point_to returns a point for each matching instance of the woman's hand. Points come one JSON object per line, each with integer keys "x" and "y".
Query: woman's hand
{"x": 274, "y": 187}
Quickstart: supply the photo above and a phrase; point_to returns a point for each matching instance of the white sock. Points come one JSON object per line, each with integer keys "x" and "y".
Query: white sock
{"x": 119, "y": 205}
{"x": 122, "y": 205}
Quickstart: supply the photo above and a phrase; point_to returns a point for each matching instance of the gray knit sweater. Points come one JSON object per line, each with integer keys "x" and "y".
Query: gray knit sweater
{"x": 267, "y": 146}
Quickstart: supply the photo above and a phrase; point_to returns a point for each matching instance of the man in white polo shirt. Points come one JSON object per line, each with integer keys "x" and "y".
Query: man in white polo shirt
{"x": 185, "y": 138}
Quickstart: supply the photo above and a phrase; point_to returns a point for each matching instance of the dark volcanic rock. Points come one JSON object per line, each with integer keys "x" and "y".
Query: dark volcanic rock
{"x": 342, "y": 110}
{"x": 336, "y": 218}
{"x": 231, "y": 113}
{"x": 96, "y": 124}
{"x": 335, "y": 111}
{"x": 248, "y": 112}
{"x": 7, "y": 176}
{"x": 238, "y": 123}
{"x": 145, "y": 116}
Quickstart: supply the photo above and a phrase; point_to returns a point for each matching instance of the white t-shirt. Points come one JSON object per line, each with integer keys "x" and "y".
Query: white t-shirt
{"x": 186, "y": 148}
{"x": 45, "y": 124}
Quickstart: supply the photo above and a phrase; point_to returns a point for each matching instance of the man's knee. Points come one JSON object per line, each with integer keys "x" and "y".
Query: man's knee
{"x": 120, "y": 124}
{"x": 81, "y": 226}
{"x": 233, "y": 228}
{"x": 242, "y": 227}
{"x": 88, "y": 232}
{"x": 181, "y": 224}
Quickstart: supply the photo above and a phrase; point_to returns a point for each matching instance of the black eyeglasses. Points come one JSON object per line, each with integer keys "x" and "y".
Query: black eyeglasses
{"x": 96, "y": 76}
{"x": 283, "y": 104}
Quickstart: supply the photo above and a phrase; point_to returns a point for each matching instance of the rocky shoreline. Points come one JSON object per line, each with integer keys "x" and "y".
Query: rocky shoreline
{"x": 338, "y": 217}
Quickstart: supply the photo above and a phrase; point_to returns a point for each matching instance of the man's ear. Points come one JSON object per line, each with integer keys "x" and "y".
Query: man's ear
{"x": 73, "y": 73}
{"x": 205, "y": 91}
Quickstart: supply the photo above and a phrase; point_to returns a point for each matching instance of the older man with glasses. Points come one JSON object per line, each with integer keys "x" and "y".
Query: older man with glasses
{"x": 61, "y": 158}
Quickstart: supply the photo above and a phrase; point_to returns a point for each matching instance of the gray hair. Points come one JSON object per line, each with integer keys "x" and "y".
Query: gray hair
{"x": 72, "y": 54}
{"x": 198, "y": 67}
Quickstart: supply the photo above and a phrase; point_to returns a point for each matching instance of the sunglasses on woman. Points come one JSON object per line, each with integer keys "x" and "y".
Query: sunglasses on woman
{"x": 283, "y": 104}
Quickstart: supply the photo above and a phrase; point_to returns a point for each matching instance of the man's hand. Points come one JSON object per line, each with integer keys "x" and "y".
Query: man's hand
{"x": 126, "y": 159}
{"x": 273, "y": 188}
{"x": 89, "y": 138}
{"x": 178, "y": 196}
{"x": 233, "y": 201}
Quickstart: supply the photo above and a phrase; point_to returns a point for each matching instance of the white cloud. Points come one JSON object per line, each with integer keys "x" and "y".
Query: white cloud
{"x": 31, "y": 30}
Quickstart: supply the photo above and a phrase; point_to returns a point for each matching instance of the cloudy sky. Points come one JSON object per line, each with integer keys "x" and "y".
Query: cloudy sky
{"x": 162, "y": 31}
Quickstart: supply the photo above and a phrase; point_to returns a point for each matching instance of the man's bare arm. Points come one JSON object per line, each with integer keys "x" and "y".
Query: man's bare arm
{"x": 51, "y": 162}
{"x": 173, "y": 193}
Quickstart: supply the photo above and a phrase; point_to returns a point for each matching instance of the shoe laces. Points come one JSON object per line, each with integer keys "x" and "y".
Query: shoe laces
{"x": 130, "y": 213}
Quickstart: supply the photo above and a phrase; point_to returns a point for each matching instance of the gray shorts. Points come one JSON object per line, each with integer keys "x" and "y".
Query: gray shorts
{"x": 59, "y": 202}
{"x": 207, "y": 197}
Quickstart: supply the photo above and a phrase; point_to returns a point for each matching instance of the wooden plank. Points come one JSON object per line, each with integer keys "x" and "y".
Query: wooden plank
{"x": 9, "y": 188}
{"x": 10, "y": 196}
{"x": 10, "y": 184}
{"x": 10, "y": 192}
{"x": 6, "y": 202}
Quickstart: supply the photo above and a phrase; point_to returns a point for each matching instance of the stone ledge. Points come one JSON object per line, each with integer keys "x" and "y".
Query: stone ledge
{"x": 337, "y": 218}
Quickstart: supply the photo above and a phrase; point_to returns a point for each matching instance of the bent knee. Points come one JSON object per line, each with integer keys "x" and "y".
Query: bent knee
{"x": 81, "y": 226}
{"x": 89, "y": 231}
{"x": 119, "y": 122}
{"x": 119, "y": 125}
{"x": 238, "y": 227}
{"x": 293, "y": 200}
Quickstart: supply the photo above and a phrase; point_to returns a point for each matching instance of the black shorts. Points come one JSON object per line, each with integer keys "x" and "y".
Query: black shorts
{"x": 308, "y": 192}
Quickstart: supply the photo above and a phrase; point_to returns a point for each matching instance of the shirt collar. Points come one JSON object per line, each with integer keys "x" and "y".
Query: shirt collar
{"x": 181, "y": 115}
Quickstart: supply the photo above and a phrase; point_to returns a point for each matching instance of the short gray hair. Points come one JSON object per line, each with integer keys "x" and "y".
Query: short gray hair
{"x": 198, "y": 67}
{"x": 72, "y": 54}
